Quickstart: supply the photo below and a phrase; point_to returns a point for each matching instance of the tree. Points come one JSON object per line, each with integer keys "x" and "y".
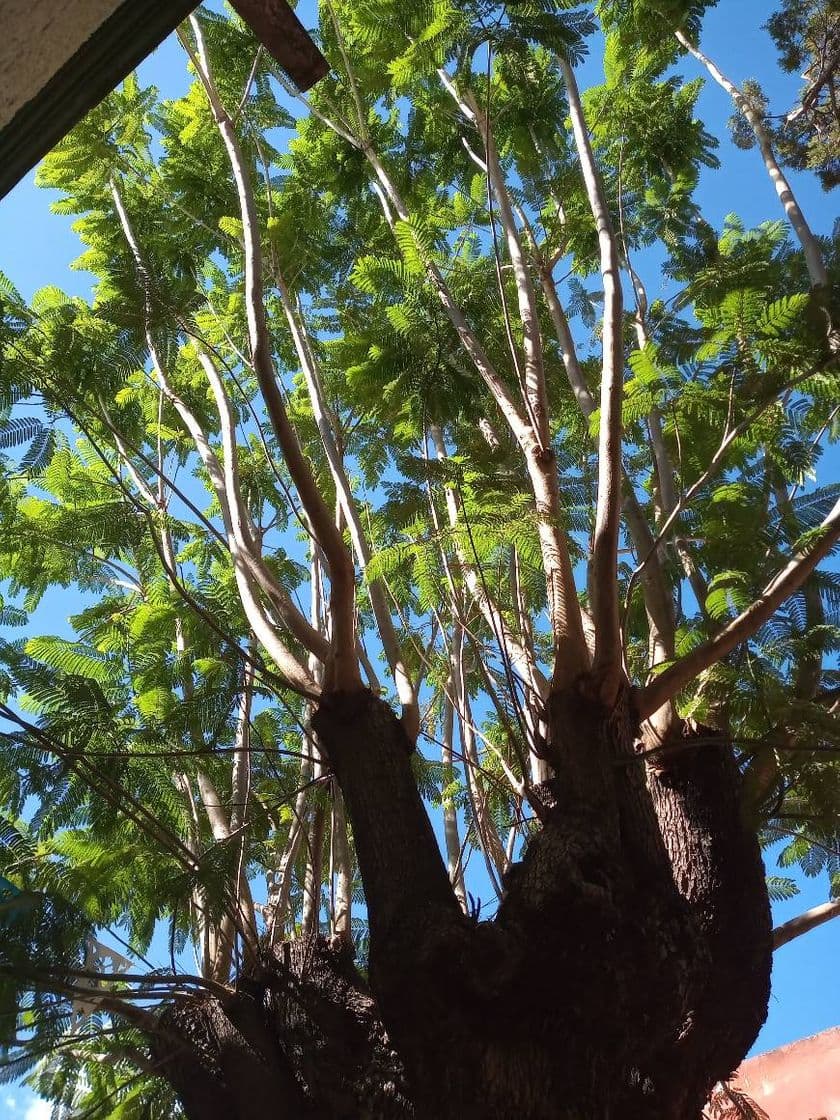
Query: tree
{"x": 807, "y": 35}
{"x": 347, "y": 374}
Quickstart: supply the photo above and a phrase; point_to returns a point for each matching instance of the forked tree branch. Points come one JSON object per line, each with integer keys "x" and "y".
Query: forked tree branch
{"x": 571, "y": 655}
{"x": 811, "y": 93}
{"x": 246, "y": 565}
{"x": 452, "y": 840}
{"x": 244, "y": 538}
{"x": 390, "y": 198}
{"x": 341, "y": 870}
{"x": 657, "y": 595}
{"x": 791, "y": 577}
{"x": 239, "y": 909}
{"x": 488, "y": 838}
{"x": 376, "y": 591}
{"x": 344, "y": 666}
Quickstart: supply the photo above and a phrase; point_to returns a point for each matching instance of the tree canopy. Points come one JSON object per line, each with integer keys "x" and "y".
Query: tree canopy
{"x": 380, "y": 387}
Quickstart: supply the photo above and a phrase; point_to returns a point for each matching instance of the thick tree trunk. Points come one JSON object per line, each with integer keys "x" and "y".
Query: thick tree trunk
{"x": 625, "y": 973}
{"x": 717, "y": 869}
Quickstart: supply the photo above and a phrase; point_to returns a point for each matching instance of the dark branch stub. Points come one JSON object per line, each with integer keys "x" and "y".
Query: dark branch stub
{"x": 285, "y": 38}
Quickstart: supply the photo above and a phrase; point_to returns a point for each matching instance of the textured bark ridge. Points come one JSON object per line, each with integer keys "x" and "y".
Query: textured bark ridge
{"x": 300, "y": 1038}
{"x": 626, "y": 971}
{"x": 717, "y": 869}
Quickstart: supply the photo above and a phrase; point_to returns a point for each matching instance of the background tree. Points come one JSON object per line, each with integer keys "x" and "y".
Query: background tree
{"x": 389, "y": 492}
{"x": 807, "y": 35}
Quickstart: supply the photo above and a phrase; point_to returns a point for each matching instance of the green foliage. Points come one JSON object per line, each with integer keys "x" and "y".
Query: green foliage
{"x": 115, "y": 728}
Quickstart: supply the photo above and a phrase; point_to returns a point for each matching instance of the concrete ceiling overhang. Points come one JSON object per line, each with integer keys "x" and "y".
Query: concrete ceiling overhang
{"x": 59, "y": 58}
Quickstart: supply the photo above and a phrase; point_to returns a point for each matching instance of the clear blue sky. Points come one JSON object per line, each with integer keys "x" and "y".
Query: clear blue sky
{"x": 36, "y": 248}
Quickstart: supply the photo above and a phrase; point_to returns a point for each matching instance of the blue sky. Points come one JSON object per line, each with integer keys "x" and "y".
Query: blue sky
{"x": 19, "y": 1104}
{"x": 36, "y": 248}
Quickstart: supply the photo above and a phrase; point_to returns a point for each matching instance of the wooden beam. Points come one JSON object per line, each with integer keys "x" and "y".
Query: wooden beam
{"x": 285, "y": 38}
{"x": 113, "y": 51}
{"x": 119, "y": 45}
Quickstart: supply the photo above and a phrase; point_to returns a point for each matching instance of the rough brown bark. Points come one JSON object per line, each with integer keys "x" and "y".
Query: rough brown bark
{"x": 717, "y": 869}
{"x": 300, "y": 1037}
{"x": 625, "y": 973}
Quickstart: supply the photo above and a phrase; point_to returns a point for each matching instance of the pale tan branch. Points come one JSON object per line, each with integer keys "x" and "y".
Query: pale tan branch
{"x": 535, "y": 389}
{"x": 342, "y": 869}
{"x": 224, "y": 486}
{"x": 532, "y": 707}
{"x": 358, "y": 103}
{"x": 509, "y": 644}
{"x": 605, "y": 606}
{"x": 240, "y": 800}
{"x": 213, "y": 807}
{"x": 491, "y": 845}
{"x": 518, "y": 422}
{"x": 310, "y": 921}
{"x": 810, "y": 245}
{"x": 571, "y": 655}
{"x": 280, "y": 880}
{"x": 240, "y": 779}
{"x": 568, "y": 350}
{"x": 244, "y": 544}
{"x": 658, "y": 599}
{"x": 500, "y": 284}
{"x": 376, "y": 590}
{"x": 454, "y": 861}
{"x": 239, "y": 912}
{"x": 344, "y": 666}
{"x": 804, "y": 923}
{"x": 792, "y": 576}
{"x": 197, "y": 434}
